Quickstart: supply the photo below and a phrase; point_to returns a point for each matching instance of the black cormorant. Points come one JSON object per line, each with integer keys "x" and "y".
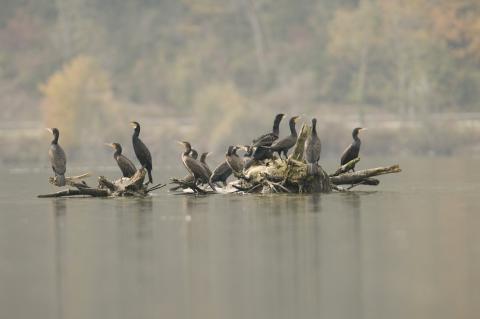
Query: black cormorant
{"x": 126, "y": 166}
{"x": 313, "y": 146}
{"x": 352, "y": 151}
{"x": 58, "y": 159}
{"x": 233, "y": 160}
{"x": 269, "y": 138}
{"x": 283, "y": 145}
{"x": 221, "y": 173}
{"x": 194, "y": 167}
{"x": 141, "y": 151}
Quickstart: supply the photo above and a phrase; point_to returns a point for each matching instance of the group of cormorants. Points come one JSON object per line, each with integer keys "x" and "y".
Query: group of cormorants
{"x": 262, "y": 148}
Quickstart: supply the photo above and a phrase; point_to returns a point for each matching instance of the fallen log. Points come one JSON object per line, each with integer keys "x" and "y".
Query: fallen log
{"x": 363, "y": 175}
{"x": 93, "y": 192}
{"x": 124, "y": 186}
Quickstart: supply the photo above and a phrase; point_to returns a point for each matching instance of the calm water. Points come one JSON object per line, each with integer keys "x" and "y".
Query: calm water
{"x": 408, "y": 249}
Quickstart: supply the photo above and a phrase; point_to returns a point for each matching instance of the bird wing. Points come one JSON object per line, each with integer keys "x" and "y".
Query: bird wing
{"x": 286, "y": 142}
{"x": 221, "y": 170}
{"x": 313, "y": 147}
{"x": 235, "y": 163}
{"x": 141, "y": 150}
{"x": 265, "y": 140}
{"x": 195, "y": 168}
{"x": 346, "y": 155}
{"x": 126, "y": 166}
{"x": 58, "y": 159}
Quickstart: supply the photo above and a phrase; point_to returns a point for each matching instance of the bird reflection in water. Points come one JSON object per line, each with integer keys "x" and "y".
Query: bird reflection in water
{"x": 315, "y": 200}
{"x": 59, "y": 212}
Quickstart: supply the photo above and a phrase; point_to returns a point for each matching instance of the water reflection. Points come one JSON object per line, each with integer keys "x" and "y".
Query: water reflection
{"x": 316, "y": 202}
{"x": 59, "y": 212}
{"x": 394, "y": 254}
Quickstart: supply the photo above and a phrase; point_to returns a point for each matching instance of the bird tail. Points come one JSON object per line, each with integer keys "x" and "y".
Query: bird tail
{"x": 60, "y": 179}
{"x": 150, "y": 179}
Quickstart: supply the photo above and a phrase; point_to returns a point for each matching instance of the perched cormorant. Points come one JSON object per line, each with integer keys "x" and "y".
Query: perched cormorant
{"x": 203, "y": 161}
{"x": 141, "y": 151}
{"x": 233, "y": 160}
{"x": 187, "y": 178}
{"x": 221, "y": 173}
{"x": 194, "y": 167}
{"x": 58, "y": 159}
{"x": 283, "y": 145}
{"x": 126, "y": 166}
{"x": 313, "y": 146}
{"x": 269, "y": 138}
{"x": 351, "y": 152}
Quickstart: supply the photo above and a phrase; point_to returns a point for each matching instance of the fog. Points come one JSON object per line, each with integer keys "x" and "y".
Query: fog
{"x": 216, "y": 72}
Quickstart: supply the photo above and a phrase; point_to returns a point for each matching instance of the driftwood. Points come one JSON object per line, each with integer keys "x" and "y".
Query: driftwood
{"x": 186, "y": 184}
{"x": 295, "y": 176}
{"x": 124, "y": 186}
{"x": 363, "y": 176}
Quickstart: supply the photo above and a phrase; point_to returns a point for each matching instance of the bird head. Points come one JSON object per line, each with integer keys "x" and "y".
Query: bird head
{"x": 135, "y": 125}
{"x": 357, "y": 130}
{"x": 185, "y": 144}
{"x": 53, "y": 130}
{"x": 115, "y": 146}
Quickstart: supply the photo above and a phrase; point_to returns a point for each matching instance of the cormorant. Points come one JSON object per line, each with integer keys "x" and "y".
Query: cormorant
{"x": 313, "y": 146}
{"x": 203, "y": 161}
{"x": 58, "y": 159}
{"x": 221, "y": 173}
{"x": 233, "y": 160}
{"x": 352, "y": 151}
{"x": 283, "y": 145}
{"x": 187, "y": 178}
{"x": 269, "y": 138}
{"x": 141, "y": 151}
{"x": 194, "y": 167}
{"x": 126, "y": 166}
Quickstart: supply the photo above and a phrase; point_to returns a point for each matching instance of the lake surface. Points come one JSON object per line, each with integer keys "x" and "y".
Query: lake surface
{"x": 409, "y": 248}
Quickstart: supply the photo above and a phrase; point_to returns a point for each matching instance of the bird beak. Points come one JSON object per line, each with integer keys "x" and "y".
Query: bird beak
{"x": 133, "y": 124}
{"x": 297, "y": 118}
{"x": 181, "y": 143}
{"x": 109, "y": 144}
{"x": 363, "y": 129}
{"x": 49, "y": 129}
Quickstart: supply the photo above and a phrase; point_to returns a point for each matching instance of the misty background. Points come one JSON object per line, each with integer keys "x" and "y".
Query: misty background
{"x": 215, "y": 72}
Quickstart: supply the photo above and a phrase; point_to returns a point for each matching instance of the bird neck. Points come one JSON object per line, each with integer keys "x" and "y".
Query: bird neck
{"x": 55, "y": 139}
{"x": 117, "y": 153}
{"x": 187, "y": 151}
{"x": 355, "y": 137}
{"x": 314, "y": 129}
{"x": 276, "y": 126}
{"x": 293, "y": 131}
{"x": 136, "y": 132}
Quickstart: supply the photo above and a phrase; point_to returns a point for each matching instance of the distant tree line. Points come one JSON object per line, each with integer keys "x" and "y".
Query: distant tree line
{"x": 406, "y": 56}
